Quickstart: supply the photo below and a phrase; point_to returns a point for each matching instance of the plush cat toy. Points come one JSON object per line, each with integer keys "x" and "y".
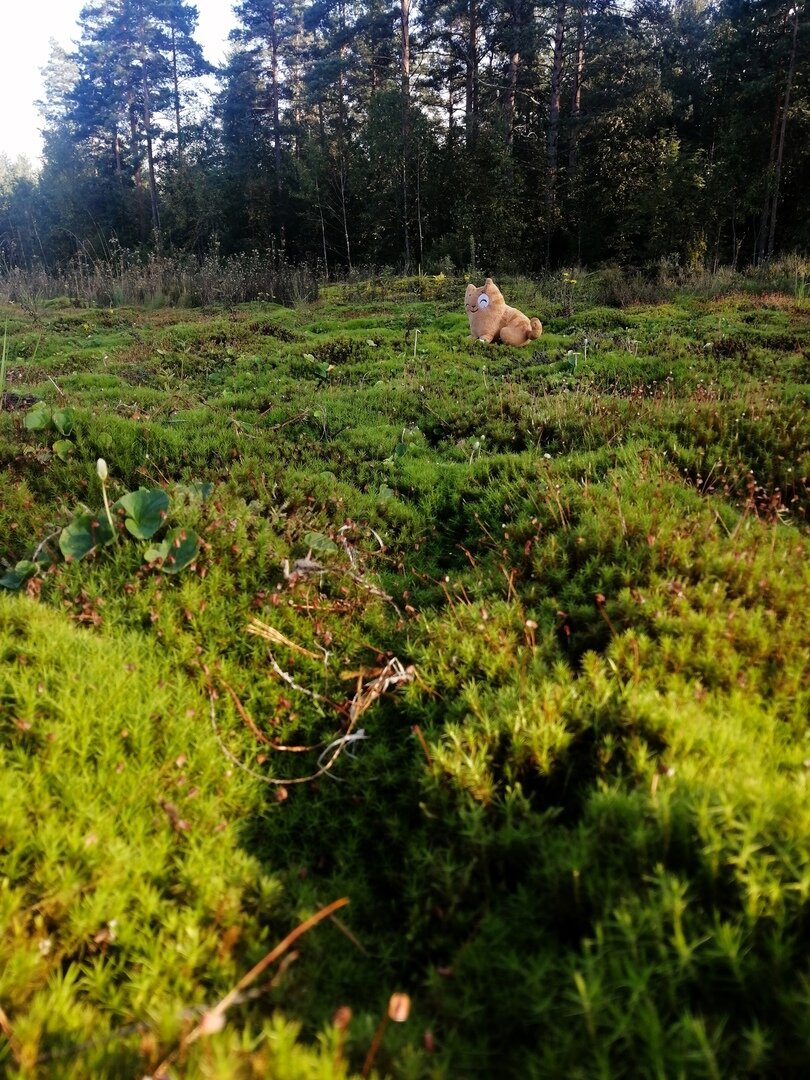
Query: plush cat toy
{"x": 491, "y": 319}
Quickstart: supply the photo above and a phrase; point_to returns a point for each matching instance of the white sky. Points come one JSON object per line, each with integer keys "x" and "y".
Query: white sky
{"x": 28, "y": 26}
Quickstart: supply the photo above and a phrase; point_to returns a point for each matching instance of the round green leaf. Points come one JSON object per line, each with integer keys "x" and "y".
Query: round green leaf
{"x": 155, "y": 552}
{"x": 182, "y": 546}
{"x": 83, "y": 535}
{"x": 146, "y": 511}
{"x": 63, "y": 448}
{"x": 63, "y": 420}
{"x": 197, "y": 489}
{"x": 38, "y": 417}
{"x": 318, "y": 542}
{"x": 16, "y": 578}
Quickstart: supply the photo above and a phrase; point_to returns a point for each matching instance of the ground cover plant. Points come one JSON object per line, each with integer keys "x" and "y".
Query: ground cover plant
{"x": 509, "y": 649}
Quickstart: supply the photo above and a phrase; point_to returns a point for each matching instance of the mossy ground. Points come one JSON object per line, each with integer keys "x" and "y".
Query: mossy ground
{"x": 596, "y": 559}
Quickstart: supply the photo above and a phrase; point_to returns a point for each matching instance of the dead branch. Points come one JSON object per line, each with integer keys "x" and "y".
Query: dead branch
{"x": 214, "y": 1019}
{"x": 248, "y": 719}
{"x": 191, "y": 1012}
{"x": 393, "y": 675}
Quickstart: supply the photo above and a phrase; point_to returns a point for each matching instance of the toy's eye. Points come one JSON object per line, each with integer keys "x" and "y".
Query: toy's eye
{"x": 483, "y": 300}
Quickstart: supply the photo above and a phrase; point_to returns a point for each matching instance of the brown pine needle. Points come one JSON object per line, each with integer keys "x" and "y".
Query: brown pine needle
{"x": 362, "y": 673}
{"x": 213, "y": 1020}
{"x": 343, "y": 928}
{"x": 222, "y": 1006}
{"x": 423, "y": 743}
{"x": 248, "y": 719}
{"x": 269, "y": 633}
{"x": 390, "y": 678}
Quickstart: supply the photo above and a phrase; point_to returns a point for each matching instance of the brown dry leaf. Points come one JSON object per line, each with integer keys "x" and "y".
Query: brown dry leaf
{"x": 173, "y": 814}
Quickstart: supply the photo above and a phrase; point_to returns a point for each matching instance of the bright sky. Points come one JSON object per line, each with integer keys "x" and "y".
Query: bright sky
{"x": 28, "y": 27}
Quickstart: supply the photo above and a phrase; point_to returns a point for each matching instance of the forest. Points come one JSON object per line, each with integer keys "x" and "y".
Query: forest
{"x": 512, "y": 135}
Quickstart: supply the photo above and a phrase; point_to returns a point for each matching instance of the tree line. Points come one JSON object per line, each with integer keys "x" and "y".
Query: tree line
{"x": 425, "y": 134}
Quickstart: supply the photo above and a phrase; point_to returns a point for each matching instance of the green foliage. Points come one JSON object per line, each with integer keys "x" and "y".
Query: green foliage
{"x": 145, "y": 511}
{"x": 22, "y": 572}
{"x": 85, "y": 534}
{"x": 176, "y": 552}
{"x": 38, "y": 417}
{"x": 585, "y": 814}
{"x": 649, "y": 137}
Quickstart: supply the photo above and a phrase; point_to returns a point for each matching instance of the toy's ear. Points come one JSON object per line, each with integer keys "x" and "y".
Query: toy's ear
{"x": 488, "y": 282}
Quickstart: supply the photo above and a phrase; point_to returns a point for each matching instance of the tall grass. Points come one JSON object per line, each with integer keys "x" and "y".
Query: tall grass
{"x": 175, "y": 280}
{"x": 124, "y": 277}
{"x": 3, "y": 363}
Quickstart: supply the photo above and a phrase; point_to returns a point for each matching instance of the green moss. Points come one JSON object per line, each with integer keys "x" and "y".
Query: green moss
{"x": 599, "y": 571}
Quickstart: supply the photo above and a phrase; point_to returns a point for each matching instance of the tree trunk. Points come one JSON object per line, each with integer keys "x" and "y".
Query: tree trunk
{"x": 342, "y": 178}
{"x": 781, "y": 150}
{"x": 275, "y": 101}
{"x": 405, "y": 16}
{"x": 471, "y": 105}
{"x": 132, "y": 109}
{"x": 405, "y": 8}
{"x": 554, "y": 124}
{"x": 147, "y": 123}
{"x": 761, "y": 237}
{"x": 323, "y": 228}
{"x": 576, "y": 104}
{"x": 514, "y": 63}
{"x": 419, "y": 208}
{"x": 176, "y": 98}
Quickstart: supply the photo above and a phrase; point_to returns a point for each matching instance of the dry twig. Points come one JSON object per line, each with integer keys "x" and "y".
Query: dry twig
{"x": 385, "y": 679}
{"x": 214, "y": 1019}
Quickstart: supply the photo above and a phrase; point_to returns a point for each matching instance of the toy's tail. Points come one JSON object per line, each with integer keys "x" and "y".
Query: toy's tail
{"x": 536, "y": 330}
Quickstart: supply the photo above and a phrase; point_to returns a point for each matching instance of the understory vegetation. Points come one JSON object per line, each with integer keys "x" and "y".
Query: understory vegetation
{"x": 535, "y": 622}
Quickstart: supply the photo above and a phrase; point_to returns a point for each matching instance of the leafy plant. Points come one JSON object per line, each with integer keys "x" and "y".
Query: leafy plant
{"x": 145, "y": 509}
{"x": 144, "y": 513}
{"x": 85, "y": 534}
{"x": 41, "y": 417}
{"x": 38, "y": 417}
{"x": 22, "y": 572}
{"x": 176, "y": 552}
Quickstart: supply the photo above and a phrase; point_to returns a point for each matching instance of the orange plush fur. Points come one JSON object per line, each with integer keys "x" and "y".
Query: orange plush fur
{"x": 491, "y": 318}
